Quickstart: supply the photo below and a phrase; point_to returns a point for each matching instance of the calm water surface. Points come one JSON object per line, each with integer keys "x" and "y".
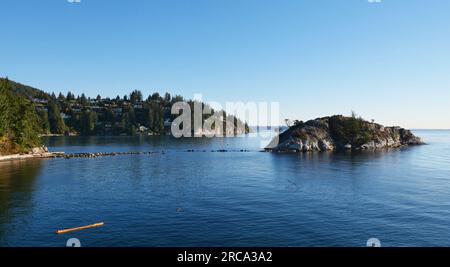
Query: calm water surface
{"x": 176, "y": 198}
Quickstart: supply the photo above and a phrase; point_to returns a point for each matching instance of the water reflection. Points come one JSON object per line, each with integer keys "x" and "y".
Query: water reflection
{"x": 308, "y": 171}
{"x": 179, "y": 198}
{"x": 79, "y": 144}
{"x": 354, "y": 159}
{"x": 17, "y": 182}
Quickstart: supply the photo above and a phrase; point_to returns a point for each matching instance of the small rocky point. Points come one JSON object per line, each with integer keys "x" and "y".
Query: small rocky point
{"x": 341, "y": 133}
{"x": 38, "y": 150}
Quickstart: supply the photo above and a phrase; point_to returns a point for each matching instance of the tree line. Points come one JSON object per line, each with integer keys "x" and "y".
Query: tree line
{"x": 19, "y": 123}
{"x": 105, "y": 116}
{"x": 67, "y": 114}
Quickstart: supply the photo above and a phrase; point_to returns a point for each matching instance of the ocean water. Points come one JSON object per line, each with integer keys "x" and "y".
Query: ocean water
{"x": 206, "y": 198}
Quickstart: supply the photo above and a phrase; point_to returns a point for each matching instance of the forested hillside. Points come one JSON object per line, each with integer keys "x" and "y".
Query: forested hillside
{"x": 123, "y": 115}
{"x": 19, "y": 123}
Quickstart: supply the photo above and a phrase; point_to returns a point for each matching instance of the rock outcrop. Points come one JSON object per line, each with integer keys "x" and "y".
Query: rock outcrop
{"x": 38, "y": 150}
{"x": 341, "y": 133}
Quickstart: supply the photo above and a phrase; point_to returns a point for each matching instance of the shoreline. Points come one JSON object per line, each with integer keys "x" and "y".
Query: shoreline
{"x": 44, "y": 155}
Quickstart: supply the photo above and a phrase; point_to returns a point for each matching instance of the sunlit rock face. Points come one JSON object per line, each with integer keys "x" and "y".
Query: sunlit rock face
{"x": 341, "y": 133}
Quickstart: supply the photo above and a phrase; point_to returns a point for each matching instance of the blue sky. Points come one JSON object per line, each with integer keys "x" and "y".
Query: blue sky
{"x": 388, "y": 61}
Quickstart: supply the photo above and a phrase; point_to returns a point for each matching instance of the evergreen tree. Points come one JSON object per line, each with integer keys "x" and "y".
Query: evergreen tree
{"x": 26, "y": 124}
{"x": 70, "y": 96}
{"x": 83, "y": 100}
{"x": 6, "y": 110}
{"x": 131, "y": 116}
{"x": 167, "y": 98}
{"x": 61, "y": 97}
{"x": 44, "y": 122}
{"x": 88, "y": 122}
{"x": 109, "y": 116}
{"x": 83, "y": 118}
{"x": 56, "y": 123}
{"x": 155, "y": 97}
{"x": 136, "y": 97}
{"x": 155, "y": 117}
{"x": 19, "y": 129}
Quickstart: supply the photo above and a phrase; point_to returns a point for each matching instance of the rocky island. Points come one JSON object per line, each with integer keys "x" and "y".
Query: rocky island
{"x": 341, "y": 133}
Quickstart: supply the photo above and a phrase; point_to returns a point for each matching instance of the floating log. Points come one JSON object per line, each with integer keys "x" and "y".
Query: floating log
{"x": 95, "y": 225}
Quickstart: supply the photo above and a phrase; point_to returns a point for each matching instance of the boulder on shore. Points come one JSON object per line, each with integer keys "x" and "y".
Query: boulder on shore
{"x": 39, "y": 150}
{"x": 341, "y": 133}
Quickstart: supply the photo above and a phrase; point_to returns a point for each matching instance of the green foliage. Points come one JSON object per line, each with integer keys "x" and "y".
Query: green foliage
{"x": 56, "y": 123}
{"x": 19, "y": 123}
{"x": 352, "y": 126}
{"x": 28, "y": 91}
{"x": 98, "y": 116}
{"x": 356, "y": 130}
{"x": 83, "y": 100}
{"x": 155, "y": 117}
{"x": 5, "y": 108}
{"x": 136, "y": 96}
{"x": 88, "y": 122}
{"x": 128, "y": 122}
{"x": 44, "y": 122}
{"x": 70, "y": 97}
{"x": 27, "y": 125}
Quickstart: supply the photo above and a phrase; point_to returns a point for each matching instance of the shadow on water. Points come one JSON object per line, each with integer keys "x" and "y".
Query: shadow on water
{"x": 354, "y": 158}
{"x": 323, "y": 165}
{"x": 17, "y": 182}
{"x": 123, "y": 143}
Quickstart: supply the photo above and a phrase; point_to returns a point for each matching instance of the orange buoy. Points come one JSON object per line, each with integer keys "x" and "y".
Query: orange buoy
{"x": 95, "y": 225}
